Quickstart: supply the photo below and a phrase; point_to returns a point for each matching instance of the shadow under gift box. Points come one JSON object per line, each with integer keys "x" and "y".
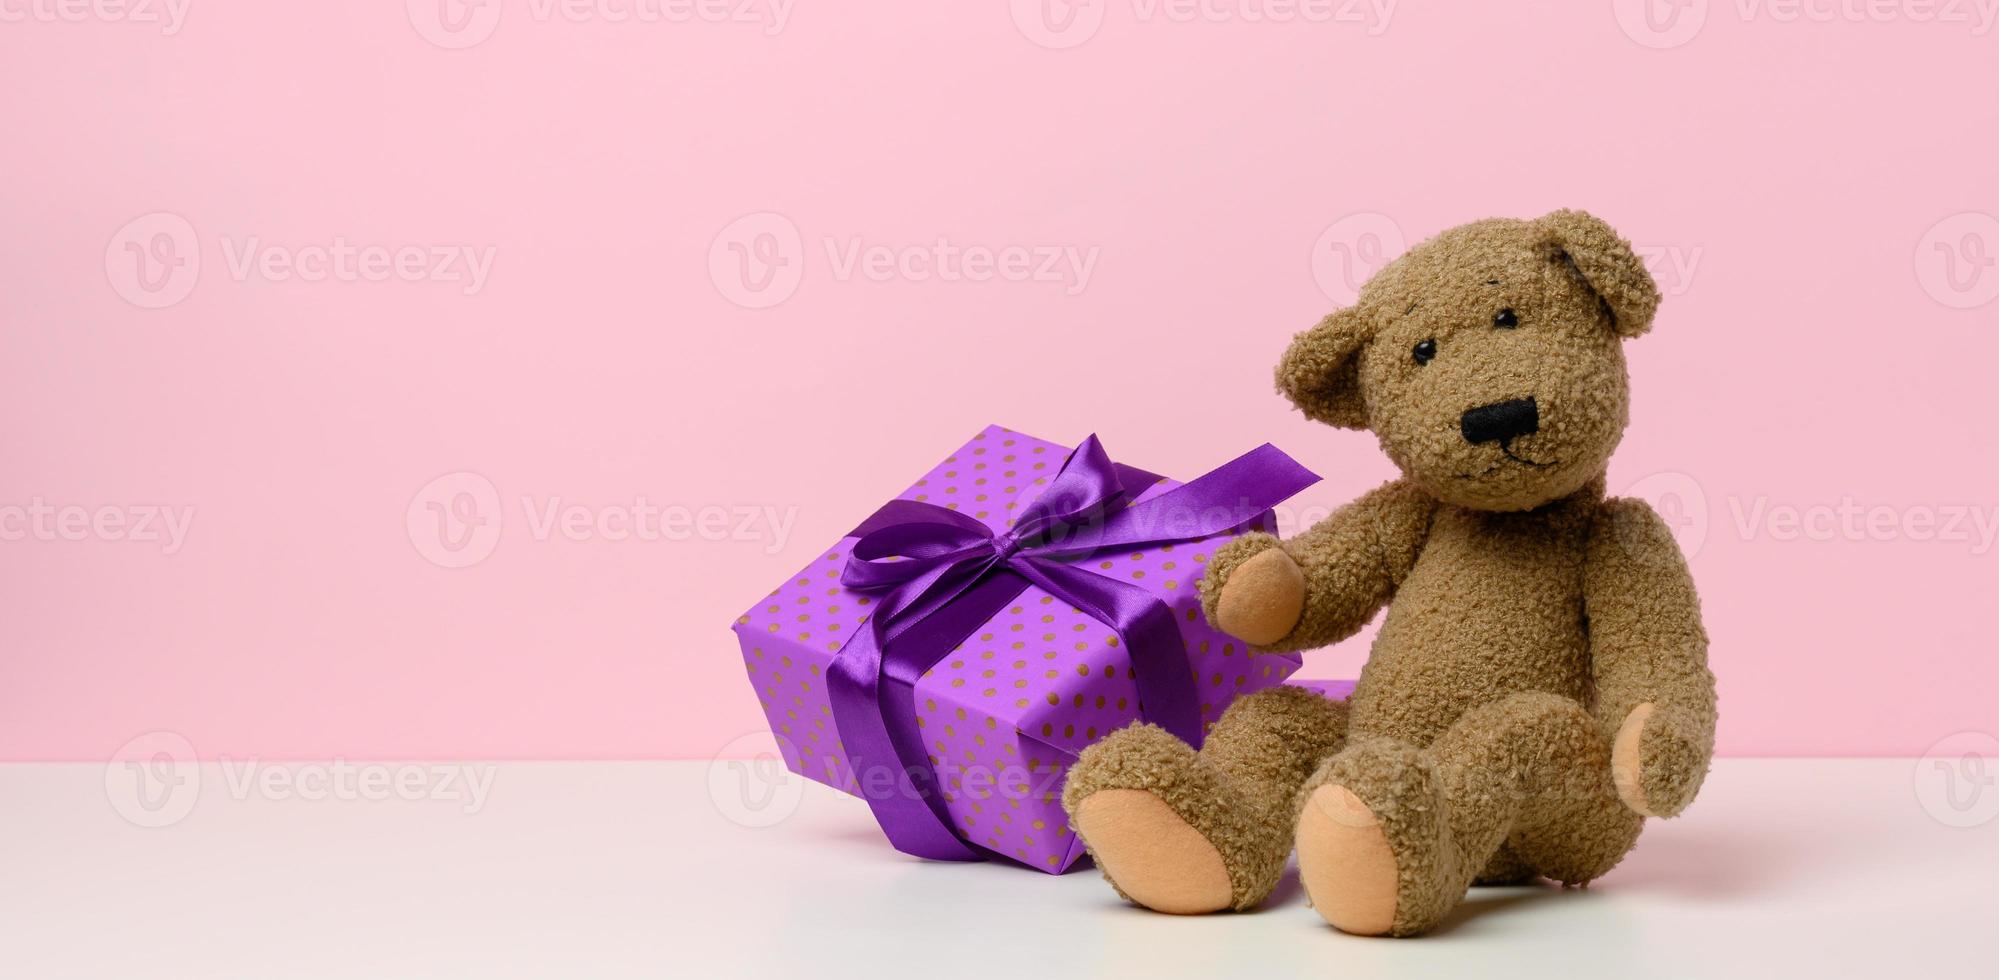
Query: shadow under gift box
{"x": 1005, "y": 713}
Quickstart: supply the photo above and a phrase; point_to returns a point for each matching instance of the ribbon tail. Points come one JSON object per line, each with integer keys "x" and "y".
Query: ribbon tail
{"x": 1166, "y": 693}
{"x": 903, "y": 809}
{"x": 872, "y": 684}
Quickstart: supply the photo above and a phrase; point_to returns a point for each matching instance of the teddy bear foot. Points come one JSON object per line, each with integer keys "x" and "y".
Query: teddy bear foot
{"x": 1374, "y": 846}
{"x": 1151, "y": 855}
{"x": 1169, "y": 830}
{"x": 1345, "y": 862}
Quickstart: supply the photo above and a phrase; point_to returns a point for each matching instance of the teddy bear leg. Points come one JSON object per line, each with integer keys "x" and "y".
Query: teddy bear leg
{"x": 1185, "y": 832}
{"x": 1576, "y": 828}
{"x": 1390, "y": 836}
{"x": 1505, "y": 868}
{"x": 1534, "y": 771}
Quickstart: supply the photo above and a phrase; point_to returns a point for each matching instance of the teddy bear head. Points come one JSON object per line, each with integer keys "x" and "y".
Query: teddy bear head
{"x": 1488, "y": 360}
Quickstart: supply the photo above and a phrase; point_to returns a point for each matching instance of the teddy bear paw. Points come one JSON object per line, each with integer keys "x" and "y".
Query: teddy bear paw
{"x": 1150, "y": 853}
{"x": 1375, "y": 851}
{"x": 1656, "y": 767}
{"x": 1254, "y": 590}
{"x": 1346, "y": 863}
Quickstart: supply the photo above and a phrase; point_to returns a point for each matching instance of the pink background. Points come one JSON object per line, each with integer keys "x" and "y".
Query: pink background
{"x": 1824, "y": 349}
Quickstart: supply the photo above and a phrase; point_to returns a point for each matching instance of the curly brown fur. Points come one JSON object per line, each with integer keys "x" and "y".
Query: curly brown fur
{"x": 1540, "y": 682}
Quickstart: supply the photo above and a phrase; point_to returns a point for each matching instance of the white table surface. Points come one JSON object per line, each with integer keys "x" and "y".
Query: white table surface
{"x": 1784, "y": 868}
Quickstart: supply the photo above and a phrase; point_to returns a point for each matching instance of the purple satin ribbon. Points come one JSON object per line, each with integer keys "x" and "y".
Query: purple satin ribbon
{"x": 940, "y": 575}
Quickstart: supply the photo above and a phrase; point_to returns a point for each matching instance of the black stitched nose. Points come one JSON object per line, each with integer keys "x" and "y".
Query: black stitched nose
{"x": 1501, "y": 421}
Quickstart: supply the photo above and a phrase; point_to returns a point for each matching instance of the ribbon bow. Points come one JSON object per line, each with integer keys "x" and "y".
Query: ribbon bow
{"x": 941, "y": 575}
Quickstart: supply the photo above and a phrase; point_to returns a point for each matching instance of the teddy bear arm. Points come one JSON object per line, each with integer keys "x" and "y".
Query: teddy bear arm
{"x": 1352, "y": 561}
{"x": 1655, "y": 695}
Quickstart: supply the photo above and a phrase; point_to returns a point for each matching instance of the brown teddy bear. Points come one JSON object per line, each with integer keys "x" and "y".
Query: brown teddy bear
{"x": 1540, "y": 684}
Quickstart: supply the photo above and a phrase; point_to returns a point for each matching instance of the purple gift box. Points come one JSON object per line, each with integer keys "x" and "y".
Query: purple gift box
{"x": 1003, "y": 713}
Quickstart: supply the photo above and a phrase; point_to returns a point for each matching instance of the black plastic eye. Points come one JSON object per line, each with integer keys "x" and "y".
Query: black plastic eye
{"x": 1505, "y": 320}
{"x": 1424, "y": 351}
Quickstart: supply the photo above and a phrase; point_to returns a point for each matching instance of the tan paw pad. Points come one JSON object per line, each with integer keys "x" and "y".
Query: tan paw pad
{"x": 1345, "y": 863}
{"x": 1263, "y": 598}
{"x": 1151, "y": 854}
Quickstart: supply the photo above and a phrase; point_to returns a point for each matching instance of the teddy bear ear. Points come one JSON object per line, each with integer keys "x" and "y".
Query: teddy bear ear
{"x": 1607, "y": 264}
{"x": 1320, "y": 373}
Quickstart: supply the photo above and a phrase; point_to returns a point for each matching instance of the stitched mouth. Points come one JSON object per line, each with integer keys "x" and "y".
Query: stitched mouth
{"x": 1506, "y": 448}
